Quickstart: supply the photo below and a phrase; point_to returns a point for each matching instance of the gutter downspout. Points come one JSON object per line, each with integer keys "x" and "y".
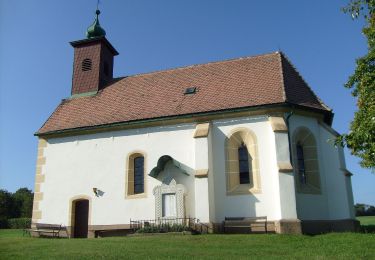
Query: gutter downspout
{"x": 287, "y": 117}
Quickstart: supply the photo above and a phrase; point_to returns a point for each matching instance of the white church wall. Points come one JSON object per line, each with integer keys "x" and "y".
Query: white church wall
{"x": 332, "y": 202}
{"x": 339, "y": 203}
{"x": 311, "y": 206}
{"x": 75, "y": 165}
{"x": 201, "y": 205}
{"x": 211, "y": 179}
{"x": 265, "y": 203}
{"x": 286, "y": 184}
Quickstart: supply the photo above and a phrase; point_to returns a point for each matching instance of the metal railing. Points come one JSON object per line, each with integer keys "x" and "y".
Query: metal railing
{"x": 167, "y": 224}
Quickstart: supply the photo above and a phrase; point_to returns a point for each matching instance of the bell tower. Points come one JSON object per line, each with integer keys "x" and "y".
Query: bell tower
{"x": 93, "y": 61}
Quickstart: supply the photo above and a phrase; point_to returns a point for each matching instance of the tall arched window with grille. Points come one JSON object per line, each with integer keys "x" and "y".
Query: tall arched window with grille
{"x": 305, "y": 160}
{"x": 139, "y": 174}
{"x": 243, "y": 163}
{"x": 242, "y": 166}
{"x": 135, "y": 176}
{"x": 301, "y": 164}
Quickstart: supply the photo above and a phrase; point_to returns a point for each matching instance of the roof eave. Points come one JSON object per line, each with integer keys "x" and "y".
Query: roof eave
{"x": 95, "y": 39}
{"x": 328, "y": 116}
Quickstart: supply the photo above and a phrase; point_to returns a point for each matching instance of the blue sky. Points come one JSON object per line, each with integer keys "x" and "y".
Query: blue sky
{"x": 36, "y": 58}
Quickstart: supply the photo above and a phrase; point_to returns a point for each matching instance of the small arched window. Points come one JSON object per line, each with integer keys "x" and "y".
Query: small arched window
{"x": 139, "y": 175}
{"x": 305, "y": 160}
{"x": 135, "y": 177}
{"x": 243, "y": 162}
{"x": 86, "y": 64}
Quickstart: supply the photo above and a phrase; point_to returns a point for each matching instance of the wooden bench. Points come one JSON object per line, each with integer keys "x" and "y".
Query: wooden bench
{"x": 247, "y": 224}
{"x": 50, "y": 229}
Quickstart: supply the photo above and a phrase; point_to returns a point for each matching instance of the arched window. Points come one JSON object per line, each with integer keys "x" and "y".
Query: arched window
{"x": 242, "y": 167}
{"x": 135, "y": 177}
{"x": 139, "y": 175}
{"x": 305, "y": 160}
{"x": 243, "y": 161}
{"x": 301, "y": 164}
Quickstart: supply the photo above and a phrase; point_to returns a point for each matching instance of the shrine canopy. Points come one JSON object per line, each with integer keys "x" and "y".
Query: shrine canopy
{"x": 162, "y": 162}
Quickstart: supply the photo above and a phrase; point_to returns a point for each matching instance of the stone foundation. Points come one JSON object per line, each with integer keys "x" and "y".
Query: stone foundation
{"x": 93, "y": 231}
{"x": 288, "y": 226}
{"x": 296, "y": 226}
{"x": 284, "y": 226}
{"x": 314, "y": 227}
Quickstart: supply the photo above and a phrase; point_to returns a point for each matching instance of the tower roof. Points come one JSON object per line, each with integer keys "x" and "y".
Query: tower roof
{"x": 95, "y": 30}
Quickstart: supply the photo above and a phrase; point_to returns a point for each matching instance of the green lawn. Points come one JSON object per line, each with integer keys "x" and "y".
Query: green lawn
{"x": 367, "y": 220}
{"x": 337, "y": 246}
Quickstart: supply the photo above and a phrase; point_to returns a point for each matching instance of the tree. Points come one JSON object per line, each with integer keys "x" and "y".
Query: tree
{"x": 23, "y": 202}
{"x": 364, "y": 210}
{"x": 6, "y": 204}
{"x": 6, "y": 208}
{"x": 361, "y": 138}
{"x": 16, "y": 205}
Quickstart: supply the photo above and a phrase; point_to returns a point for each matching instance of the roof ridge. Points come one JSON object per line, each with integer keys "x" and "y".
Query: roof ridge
{"x": 201, "y": 64}
{"x": 282, "y": 77}
{"x": 283, "y": 55}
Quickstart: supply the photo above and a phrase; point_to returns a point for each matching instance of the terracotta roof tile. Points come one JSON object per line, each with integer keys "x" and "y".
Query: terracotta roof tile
{"x": 243, "y": 82}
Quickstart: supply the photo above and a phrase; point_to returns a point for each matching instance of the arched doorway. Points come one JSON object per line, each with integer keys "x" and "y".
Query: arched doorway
{"x": 80, "y": 218}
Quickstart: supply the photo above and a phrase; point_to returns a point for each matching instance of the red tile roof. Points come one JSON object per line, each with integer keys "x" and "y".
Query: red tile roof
{"x": 244, "y": 82}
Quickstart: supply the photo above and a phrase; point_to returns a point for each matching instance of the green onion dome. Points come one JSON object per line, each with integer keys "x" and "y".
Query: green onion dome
{"x": 95, "y": 30}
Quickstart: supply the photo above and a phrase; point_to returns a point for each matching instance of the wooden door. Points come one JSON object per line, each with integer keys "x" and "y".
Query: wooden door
{"x": 81, "y": 218}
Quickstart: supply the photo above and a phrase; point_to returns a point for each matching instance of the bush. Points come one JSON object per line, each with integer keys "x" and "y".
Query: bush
{"x": 150, "y": 229}
{"x": 368, "y": 228}
{"x": 3, "y": 222}
{"x": 17, "y": 223}
{"x": 364, "y": 210}
{"x": 163, "y": 228}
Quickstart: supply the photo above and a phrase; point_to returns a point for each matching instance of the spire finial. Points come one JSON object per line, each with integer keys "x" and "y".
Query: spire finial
{"x": 95, "y": 30}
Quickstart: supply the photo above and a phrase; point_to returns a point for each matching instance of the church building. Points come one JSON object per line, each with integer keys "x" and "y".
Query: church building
{"x": 240, "y": 138}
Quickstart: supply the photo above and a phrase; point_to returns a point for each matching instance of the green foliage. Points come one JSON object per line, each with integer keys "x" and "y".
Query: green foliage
{"x": 163, "y": 228}
{"x": 361, "y": 138}
{"x": 364, "y": 210}
{"x": 149, "y": 229}
{"x": 3, "y": 222}
{"x": 6, "y": 204}
{"x": 23, "y": 202}
{"x": 15, "y": 205}
{"x": 17, "y": 223}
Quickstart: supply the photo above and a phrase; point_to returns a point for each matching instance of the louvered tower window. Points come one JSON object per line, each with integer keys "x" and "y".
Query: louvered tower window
{"x": 86, "y": 64}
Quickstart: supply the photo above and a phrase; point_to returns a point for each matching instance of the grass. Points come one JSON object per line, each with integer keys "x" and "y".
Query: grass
{"x": 337, "y": 246}
{"x": 367, "y": 220}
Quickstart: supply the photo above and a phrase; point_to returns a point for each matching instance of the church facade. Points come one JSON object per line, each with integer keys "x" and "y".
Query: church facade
{"x": 237, "y": 138}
